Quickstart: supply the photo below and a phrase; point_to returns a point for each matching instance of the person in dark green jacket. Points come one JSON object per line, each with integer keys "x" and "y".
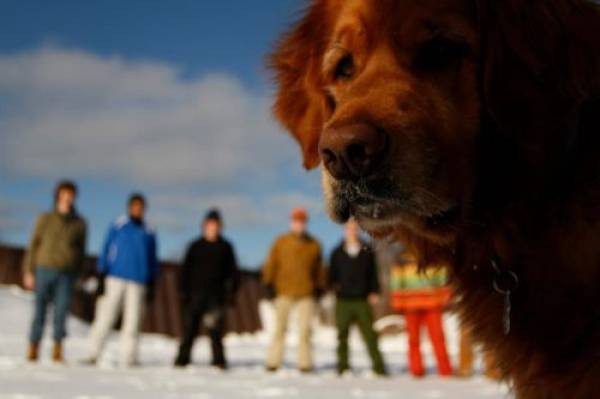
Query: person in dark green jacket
{"x": 354, "y": 279}
{"x": 54, "y": 258}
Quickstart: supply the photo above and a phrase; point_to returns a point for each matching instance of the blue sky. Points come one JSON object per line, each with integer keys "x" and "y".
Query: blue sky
{"x": 169, "y": 98}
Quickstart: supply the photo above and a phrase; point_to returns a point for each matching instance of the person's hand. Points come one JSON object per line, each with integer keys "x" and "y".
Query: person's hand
{"x": 29, "y": 281}
{"x": 150, "y": 293}
{"x": 374, "y": 299}
{"x": 318, "y": 293}
{"x": 101, "y": 285}
{"x": 269, "y": 292}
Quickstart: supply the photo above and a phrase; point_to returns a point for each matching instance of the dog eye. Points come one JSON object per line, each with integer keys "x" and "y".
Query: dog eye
{"x": 439, "y": 54}
{"x": 344, "y": 69}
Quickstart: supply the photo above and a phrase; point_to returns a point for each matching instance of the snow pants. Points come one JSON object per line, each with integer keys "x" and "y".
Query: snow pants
{"x": 306, "y": 312}
{"x": 119, "y": 295}
{"x": 348, "y": 312}
{"x": 432, "y": 319}
{"x": 203, "y": 310}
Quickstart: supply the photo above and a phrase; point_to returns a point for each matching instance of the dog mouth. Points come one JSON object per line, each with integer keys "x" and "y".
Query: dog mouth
{"x": 380, "y": 209}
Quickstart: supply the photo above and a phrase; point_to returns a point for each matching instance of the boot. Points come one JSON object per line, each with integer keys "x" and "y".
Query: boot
{"x": 33, "y": 352}
{"x": 182, "y": 361}
{"x": 380, "y": 372}
{"x": 57, "y": 353}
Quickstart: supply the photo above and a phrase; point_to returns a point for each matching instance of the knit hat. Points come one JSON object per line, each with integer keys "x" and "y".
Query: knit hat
{"x": 213, "y": 214}
{"x": 299, "y": 213}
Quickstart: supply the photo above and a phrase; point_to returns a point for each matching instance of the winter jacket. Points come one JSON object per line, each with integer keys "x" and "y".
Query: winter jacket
{"x": 129, "y": 252}
{"x": 209, "y": 268}
{"x": 294, "y": 267}
{"x": 413, "y": 289}
{"x": 58, "y": 242}
{"x": 353, "y": 277}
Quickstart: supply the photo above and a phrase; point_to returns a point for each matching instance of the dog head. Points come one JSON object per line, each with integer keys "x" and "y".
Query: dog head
{"x": 413, "y": 107}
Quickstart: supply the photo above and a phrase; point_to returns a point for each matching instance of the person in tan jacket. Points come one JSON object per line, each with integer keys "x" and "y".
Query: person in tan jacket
{"x": 295, "y": 273}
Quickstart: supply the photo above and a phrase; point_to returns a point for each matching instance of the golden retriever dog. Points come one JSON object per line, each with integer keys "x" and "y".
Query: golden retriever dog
{"x": 470, "y": 130}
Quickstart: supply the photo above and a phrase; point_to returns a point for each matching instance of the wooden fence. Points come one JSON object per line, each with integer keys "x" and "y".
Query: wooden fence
{"x": 163, "y": 316}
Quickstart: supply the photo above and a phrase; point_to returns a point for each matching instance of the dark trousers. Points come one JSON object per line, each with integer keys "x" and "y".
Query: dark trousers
{"x": 206, "y": 311}
{"x": 56, "y": 287}
{"x": 347, "y": 312}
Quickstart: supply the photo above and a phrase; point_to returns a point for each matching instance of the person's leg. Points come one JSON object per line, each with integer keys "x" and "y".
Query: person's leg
{"x": 107, "y": 312}
{"x": 63, "y": 293}
{"x": 466, "y": 353}
{"x": 192, "y": 314}
{"x": 413, "y": 329}
{"x": 433, "y": 320}
{"x": 343, "y": 320}
{"x": 364, "y": 317}
{"x": 43, "y": 291}
{"x": 43, "y": 295}
{"x": 306, "y": 314}
{"x": 283, "y": 305}
{"x": 132, "y": 319}
{"x": 62, "y": 302}
{"x": 216, "y": 332}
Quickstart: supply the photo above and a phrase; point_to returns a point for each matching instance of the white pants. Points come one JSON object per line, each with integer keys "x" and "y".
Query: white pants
{"x": 119, "y": 294}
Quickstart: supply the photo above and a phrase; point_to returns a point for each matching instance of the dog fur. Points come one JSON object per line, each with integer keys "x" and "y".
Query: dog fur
{"x": 506, "y": 135}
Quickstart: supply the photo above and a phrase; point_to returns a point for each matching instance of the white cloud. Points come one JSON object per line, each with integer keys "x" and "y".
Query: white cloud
{"x": 71, "y": 112}
{"x": 239, "y": 210}
{"x": 190, "y": 143}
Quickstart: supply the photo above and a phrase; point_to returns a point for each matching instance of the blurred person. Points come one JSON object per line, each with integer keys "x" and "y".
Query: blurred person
{"x": 353, "y": 277}
{"x": 55, "y": 256}
{"x": 208, "y": 283}
{"x": 128, "y": 267}
{"x": 422, "y": 296}
{"x": 295, "y": 274}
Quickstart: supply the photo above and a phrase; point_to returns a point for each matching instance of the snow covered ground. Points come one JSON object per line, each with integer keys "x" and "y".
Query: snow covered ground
{"x": 246, "y": 379}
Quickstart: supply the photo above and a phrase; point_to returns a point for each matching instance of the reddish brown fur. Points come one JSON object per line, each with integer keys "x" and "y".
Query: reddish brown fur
{"x": 518, "y": 128}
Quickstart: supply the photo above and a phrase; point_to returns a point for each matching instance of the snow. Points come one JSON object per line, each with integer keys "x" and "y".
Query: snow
{"x": 246, "y": 378}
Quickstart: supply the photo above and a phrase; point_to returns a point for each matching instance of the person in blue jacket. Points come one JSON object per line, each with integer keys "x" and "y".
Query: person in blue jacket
{"x": 128, "y": 267}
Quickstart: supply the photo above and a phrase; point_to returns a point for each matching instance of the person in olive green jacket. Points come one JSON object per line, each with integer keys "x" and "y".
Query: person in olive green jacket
{"x": 55, "y": 256}
{"x": 295, "y": 273}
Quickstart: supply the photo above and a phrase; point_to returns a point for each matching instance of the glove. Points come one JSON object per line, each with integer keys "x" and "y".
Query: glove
{"x": 269, "y": 292}
{"x": 150, "y": 292}
{"x": 101, "y": 285}
{"x": 318, "y": 293}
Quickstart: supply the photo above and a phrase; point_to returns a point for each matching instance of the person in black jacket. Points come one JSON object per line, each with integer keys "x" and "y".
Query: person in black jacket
{"x": 353, "y": 277}
{"x": 208, "y": 283}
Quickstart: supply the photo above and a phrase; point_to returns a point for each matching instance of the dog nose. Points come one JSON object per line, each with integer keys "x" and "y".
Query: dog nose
{"x": 351, "y": 152}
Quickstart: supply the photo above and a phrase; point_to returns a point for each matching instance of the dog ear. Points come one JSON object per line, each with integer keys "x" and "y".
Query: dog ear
{"x": 300, "y": 103}
{"x": 539, "y": 58}
{"x": 540, "y": 64}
